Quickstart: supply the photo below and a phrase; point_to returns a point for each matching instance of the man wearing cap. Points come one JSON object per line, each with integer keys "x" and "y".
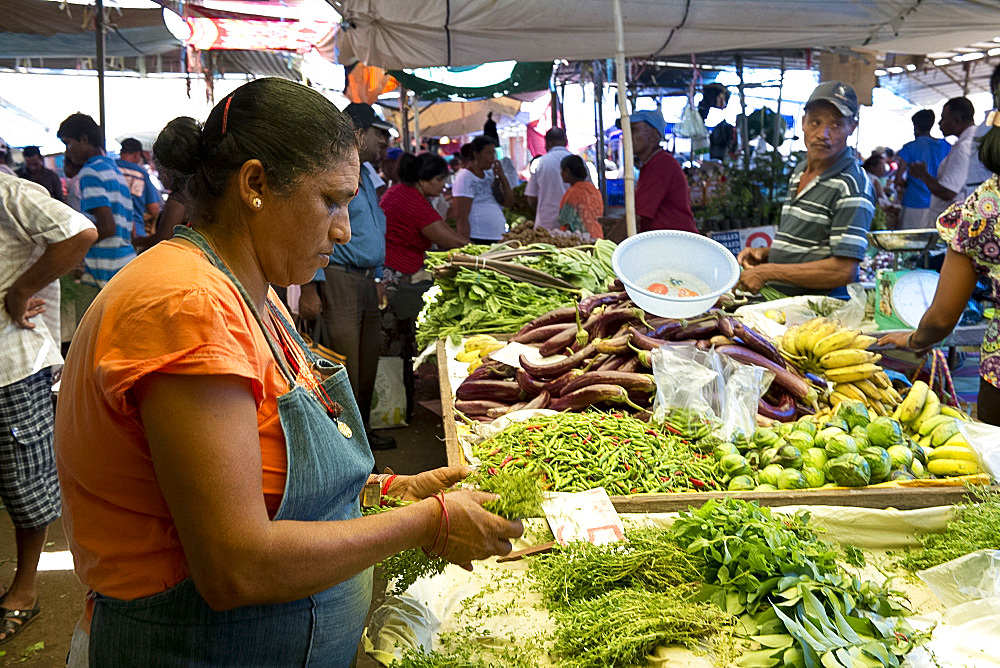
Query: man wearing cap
{"x": 146, "y": 200}
{"x": 828, "y": 210}
{"x": 350, "y": 285}
{"x": 662, "y": 196}
{"x": 546, "y": 187}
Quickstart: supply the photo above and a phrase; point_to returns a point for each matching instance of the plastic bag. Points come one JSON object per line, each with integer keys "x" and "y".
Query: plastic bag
{"x": 970, "y": 578}
{"x": 708, "y": 384}
{"x": 984, "y": 439}
{"x": 797, "y": 310}
{"x": 692, "y": 125}
{"x": 389, "y": 398}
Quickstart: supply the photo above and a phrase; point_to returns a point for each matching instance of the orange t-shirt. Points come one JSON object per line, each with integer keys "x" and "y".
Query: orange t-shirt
{"x": 167, "y": 311}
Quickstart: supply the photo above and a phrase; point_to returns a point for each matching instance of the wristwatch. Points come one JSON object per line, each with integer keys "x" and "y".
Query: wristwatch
{"x": 371, "y": 493}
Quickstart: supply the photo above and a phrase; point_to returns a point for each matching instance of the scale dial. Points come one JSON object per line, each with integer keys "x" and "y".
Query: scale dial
{"x": 912, "y": 295}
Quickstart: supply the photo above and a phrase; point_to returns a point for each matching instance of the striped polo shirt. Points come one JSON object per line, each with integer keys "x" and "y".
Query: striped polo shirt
{"x": 102, "y": 184}
{"x": 829, "y": 218}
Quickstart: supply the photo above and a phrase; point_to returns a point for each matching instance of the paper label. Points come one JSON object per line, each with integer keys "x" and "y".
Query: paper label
{"x": 583, "y": 516}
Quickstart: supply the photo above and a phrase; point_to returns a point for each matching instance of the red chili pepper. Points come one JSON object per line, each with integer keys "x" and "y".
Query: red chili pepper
{"x": 664, "y": 478}
{"x": 697, "y": 483}
{"x": 494, "y": 453}
{"x": 506, "y": 460}
{"x": 627, "y": 467}
{"x": 634, "y": 490}
{"x": 671, "y": 429}
{"x": 618, "y": 415}
{"x": 491, "y": 471}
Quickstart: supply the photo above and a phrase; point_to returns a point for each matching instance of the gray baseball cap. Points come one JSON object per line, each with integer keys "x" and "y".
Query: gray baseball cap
{"x": 837, "y": 93}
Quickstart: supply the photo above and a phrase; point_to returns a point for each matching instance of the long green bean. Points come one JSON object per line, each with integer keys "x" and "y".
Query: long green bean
{"x": 575, "y": 452}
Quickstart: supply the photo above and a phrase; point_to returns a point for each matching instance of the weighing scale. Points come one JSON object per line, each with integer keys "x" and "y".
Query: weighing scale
{"x": 902, "y": 297}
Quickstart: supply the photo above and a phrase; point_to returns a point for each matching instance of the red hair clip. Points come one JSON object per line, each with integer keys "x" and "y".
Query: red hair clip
{"x": 225, "y": 113}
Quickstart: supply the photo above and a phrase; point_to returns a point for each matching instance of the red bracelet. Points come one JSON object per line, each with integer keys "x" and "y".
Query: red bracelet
{"x": 385, "y": 488}
{"x": 447, "y": 524}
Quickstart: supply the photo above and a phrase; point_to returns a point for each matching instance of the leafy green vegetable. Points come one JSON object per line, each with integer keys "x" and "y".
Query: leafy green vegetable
{"x": 973, "y": 527}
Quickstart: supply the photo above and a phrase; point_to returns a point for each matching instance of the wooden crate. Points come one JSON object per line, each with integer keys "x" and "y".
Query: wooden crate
{"x": 902, "y": 498}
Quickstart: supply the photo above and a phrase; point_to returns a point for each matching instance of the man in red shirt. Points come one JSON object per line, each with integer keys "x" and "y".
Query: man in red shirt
{"x": 662, "y": 197}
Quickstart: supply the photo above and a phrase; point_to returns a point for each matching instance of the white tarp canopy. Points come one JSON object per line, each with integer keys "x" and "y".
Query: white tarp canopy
{"x": 397, "y": 34}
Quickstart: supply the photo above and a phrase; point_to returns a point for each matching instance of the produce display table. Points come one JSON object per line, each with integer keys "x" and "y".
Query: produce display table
{"x": 901, "y": 495}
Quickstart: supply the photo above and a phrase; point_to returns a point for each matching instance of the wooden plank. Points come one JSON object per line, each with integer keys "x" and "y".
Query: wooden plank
{"x": 451, "y": 446}
{"x": 901, "y": 498}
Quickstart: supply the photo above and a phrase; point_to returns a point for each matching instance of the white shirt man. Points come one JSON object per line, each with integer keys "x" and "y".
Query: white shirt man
{"x": 546, "y": 187}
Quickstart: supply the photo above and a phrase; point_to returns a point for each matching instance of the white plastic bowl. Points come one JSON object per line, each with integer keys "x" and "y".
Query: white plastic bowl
{"x": 672, "y": 250}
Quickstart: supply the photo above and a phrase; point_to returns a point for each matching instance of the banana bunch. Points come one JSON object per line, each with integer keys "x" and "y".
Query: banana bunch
{"x": 477, "y": 348}
{"x": 935, "y": 428}
{"x": 841, "y": 355}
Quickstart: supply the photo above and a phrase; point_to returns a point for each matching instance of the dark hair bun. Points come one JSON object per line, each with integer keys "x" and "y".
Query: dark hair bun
{"x": 177, "y": 149}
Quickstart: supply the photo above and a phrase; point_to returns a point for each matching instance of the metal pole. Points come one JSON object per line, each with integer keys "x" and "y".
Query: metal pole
{"x": 99, "y": 30}
{"x": 628, "y": 158}
{"x": 416, "y": 123}
{"x": 777, "y": 130}
{"x": 602, "y": 183}
{"x": 744, "y": 128}
{"x": 404, "y": 112}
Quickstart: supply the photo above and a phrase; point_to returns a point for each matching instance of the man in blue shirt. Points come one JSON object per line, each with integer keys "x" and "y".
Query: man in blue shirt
{"x": 930, "y": 151}
{"x": 352, "y": 292}
{"x": 146, "y": 198}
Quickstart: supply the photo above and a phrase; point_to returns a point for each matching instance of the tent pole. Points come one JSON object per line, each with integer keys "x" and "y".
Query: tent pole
{"x": 99, "y": 30}
{"x": 416, "y": 123}
{"x": 628, "y": 158}
{"x": 777, "y": 130}
{"x": 404, "y": 110}
{"x": 744, "y": 125}
{"x": 602, "y": 183}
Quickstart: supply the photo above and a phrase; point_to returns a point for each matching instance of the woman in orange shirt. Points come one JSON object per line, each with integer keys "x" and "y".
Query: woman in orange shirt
{"x": 211, "y": 468}
{"x": 581, "y": 204}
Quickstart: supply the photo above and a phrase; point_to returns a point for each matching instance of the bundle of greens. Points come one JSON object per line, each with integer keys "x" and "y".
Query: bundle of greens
{"x": 793, "y": 598}
{"x": 622, "y": 626}
{"x": 973, "y": 527}
{"x": 648, "y": 560}
{"x": 479, "y": 291}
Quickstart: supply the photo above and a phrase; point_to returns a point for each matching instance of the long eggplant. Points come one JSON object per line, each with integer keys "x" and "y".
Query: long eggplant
{"x": 501, "y": 411}
{"x": 614, "y": 362}
{"x": 634, "y": 364}
{"x": 665, "y": 330}
{"x": 751, "y": 338}
{"x": 644, "y": 341}
{"x": 698, "y": 329}
{"x": 605, "y": 299}
{"x": 611, "y": 320}
{"x": 541, "y": 401}
{"x": 492, "y": 390}
{"x": 590, "y": 395}
{"x": 559, "y": 342}
{"x": 543, "y": 333}
{"x": 491, "y": 370}
{"x": 554, "y": 387}
{"x": 642, "y": 382}
{"x": 547, "y": 371}
{"x": 553, "y": 317}
{"x": 798, "y": 387}
{"x": 529, "y": 385}
{"x": 613, "y": 346}
{"x": 783, "y": 411}
{"x": 478, "y": 407}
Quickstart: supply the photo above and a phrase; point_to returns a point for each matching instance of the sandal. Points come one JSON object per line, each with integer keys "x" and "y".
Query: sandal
{"x": 14, "y": 621}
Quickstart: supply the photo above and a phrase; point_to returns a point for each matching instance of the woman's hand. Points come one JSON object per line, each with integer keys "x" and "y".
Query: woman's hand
{"x": 906, "y": 341}
{"x": 472, "y": 531}
{"x": 428, "y": 483}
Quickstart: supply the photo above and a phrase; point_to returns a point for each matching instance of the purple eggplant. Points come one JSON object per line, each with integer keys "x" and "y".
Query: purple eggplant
{"x": 554, "y": 387}
{"x": 492, "y": 390}
{"x": 798, "y": 387}
{"x": 547, "y": 371}
{"x": 541, "y": 401}
{"x": 590, "y": 303}
{"x": 590, "y": 395}
{"x": 478, "y": 407}
{"x": 529, "y": 385}
{"x": 634, "y": 364}
{"x": 613, "y": 346}
{"x": 696, "y": 329}
{"x": 614, "y": 362}
{"x": 611, "y": 320}
{"x": 640, "y": 382}
{"x": 751, "y": 338}
{"x": 554, "y": 317}
{"x": 543, "y": 333}
{"x": 783, "y": 411}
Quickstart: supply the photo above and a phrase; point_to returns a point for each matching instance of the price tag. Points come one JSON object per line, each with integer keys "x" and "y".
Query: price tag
{"x": 583, "y": 516}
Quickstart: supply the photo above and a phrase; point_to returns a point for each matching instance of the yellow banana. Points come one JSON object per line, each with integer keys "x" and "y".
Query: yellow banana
{"x": 898, "y": 412}
{"x": 475, "y": 364}
{"x": 788, "y": 341}
{"x": 943, "y": 432}
{"x": 931, "y": 409}
{"x": 816, "y": 335}
{"x": 928, "y": 426}
{"x": 848, "y": 374}
{"x": 878, "y": 408}
{"x": 953, "y": 452}
{"x": 848, "y": 357}
{"x": 851, "y": 391}
{"x": 467, "y": 356}
{"x": 953, "y": 467}
{"x": 958, "y": 439}
{"x": 896, "y": 396}
{"x": 914, "y": 402}
{"x": 869, "y": 389}
{"x": 863, "y": 342}
{"x": 489, "y": 348}
{"x": 925, "y": 442}
{"x": 951, "y": 411}
{"x": 887, "y": 398}
{"x": 836, "y": 398}
{"x": 840, "y": 339}
{"x": 478, "y": 341}
{"x": 882, "y": 380}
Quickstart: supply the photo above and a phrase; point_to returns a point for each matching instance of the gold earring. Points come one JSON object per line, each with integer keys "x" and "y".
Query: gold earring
{"x": 257, "y": 202}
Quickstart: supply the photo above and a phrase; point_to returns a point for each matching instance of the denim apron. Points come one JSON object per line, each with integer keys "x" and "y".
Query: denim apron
{"x": 326, "y": 471}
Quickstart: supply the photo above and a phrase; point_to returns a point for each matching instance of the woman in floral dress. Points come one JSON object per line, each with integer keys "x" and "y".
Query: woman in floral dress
{"x": 972, "y": 231}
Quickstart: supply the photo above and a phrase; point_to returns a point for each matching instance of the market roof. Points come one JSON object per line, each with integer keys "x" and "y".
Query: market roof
{"x": 395, "y": 34}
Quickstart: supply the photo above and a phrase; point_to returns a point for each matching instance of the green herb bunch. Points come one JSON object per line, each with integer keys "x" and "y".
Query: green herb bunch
{"x": 974, "y": 527}
{"x": 622, "y": 626}
{"x": 650, "y": 559}
{"x": 520, "y": 492}
{"x": 794, "y": 599}
{"x": 415, "y": 658}
{"x": 575, "y": 452}
{"x": 404, "y": 568}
